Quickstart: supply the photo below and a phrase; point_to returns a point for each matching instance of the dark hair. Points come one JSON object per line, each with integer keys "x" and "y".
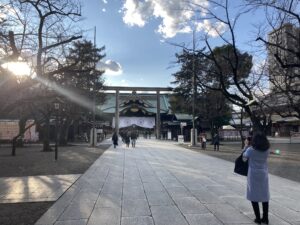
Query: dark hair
{"x": 249, "y": 139}
{"x": 260, "y": 142}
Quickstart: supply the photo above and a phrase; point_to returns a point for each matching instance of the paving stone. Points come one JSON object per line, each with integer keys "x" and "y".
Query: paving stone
{"x": 54, "y": 212}
{"x": 173, "y": 181}
{"x": 284, "y": 213}
{"x": 220, "y": 190}
{"x": 72, "y": 222}
{"x": 194, "y": 185}
{"x": 287, "y": 202}
{"x": 105, "y": 216}
{"x": 136, "y": 207}
{"x": 112, "y": 188}
{"x": 167, "y": 215}
{"x": 107, "y": 200}
{"x": 205, "y": 196}
{"x": 150, "y": 179}
{"x": 78, "y": 211}
{"x": 179, "y": 192}
{"x": 84, "y": 196}
{"x": 143, "y": 220}
{"x": 228, "y": 214}
{"x": 202, "y": 219}
{"x": 172, "y": 184}
{"x": 134, "y": 193}
{"x": 273, "y": 219}
{"x": 49, "y": 217}
{"x": 159, "y": 198}
{"x": 190, "y": 205}
{"x": 240, "y": 203}
{"x": 114, "y": 179}
{"x": 153, "y": 187}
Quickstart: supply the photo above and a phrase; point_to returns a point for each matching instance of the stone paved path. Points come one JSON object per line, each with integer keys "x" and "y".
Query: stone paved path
{"x": 159, "y": 183}
{"x": 34, "y": 188}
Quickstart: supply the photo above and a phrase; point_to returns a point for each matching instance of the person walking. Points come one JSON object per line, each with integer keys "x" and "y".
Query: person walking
{"x": 133, "y": 138}
{"x": 257, "y": 177}
{"x": 203, "y": 142}
{"x": 216, "y": 142}
{"x": 115, "y": 139}
{"x": 127, "y": 139}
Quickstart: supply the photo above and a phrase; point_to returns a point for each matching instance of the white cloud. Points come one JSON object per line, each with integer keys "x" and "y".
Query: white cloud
{"x": 104, "y": 1}
{"x": 6, "y": 11}
{"x": 103, "y": 10}
{"x": 213, "y": 30}
{"x": 136, "y": 13}
{"x": 176, "y": 16}
{"x": 111, "y": 68}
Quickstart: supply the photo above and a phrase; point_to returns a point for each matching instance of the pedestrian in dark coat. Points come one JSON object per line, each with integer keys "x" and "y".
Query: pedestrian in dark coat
{"x": 216, "y": 142}
{"x": 133, "y": 138}
{"x": 127, "y": 139}
{"x": 115, "y": 139}
{"x": 257, "y": 177}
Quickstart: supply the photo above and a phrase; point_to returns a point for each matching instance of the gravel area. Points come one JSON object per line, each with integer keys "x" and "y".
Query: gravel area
{"x": 31, "y": 161}
{"x": 22, "y": 213}
{"x": 286, "y": 165}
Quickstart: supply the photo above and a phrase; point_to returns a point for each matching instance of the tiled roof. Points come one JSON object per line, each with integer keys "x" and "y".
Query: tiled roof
{"x": 149, "y": 99}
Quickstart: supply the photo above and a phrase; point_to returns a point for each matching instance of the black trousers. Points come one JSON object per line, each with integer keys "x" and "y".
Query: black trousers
{"x": 216, "y": 146}
{"x": 265, "y": 206}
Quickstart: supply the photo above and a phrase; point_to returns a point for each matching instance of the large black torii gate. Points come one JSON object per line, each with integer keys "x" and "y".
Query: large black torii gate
{"x": 117, "y": 89}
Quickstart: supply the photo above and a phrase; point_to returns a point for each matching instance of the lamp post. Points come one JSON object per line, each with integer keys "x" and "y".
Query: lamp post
{"x": 56, "y": 107}
{"x": 94, "y": 100}
{"x": 194, "y": 92}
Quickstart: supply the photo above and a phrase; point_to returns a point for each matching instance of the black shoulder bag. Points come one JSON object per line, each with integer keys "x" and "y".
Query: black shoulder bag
{"x": 241, "y": 166}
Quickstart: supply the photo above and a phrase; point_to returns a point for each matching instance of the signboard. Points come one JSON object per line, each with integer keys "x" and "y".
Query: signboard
{"x": 183, "y": 124}
{"x": 146, "y": 122}
{"x": 10, "y": 128}
{"x": 169, "y": 135}
{"x": 180, "y": 139}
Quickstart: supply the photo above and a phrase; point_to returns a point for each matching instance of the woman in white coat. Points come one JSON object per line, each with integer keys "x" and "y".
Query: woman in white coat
{"x": 257, "y": 178}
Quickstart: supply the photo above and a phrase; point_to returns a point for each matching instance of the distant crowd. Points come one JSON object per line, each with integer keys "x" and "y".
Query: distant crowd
{"x": 127, "y": 138}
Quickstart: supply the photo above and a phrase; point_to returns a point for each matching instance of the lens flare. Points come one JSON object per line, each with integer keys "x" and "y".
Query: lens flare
{"x": 19, "y": 69}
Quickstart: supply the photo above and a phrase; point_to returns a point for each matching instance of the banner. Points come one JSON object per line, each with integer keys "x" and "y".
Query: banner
{"x": 146, "y": 122}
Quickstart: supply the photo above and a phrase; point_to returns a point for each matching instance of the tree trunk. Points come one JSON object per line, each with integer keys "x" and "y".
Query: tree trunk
{"x": 241, "y": 130}
{"x": 22, "y": 125}
{"x": 46, "y": 135}
{"x": 64, "y": 132}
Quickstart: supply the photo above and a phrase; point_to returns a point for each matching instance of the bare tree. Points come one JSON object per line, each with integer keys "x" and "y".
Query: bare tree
{"x": 41, "y": 29}
{"x": 280, "y": 35}
{"x": 227, "y": 66}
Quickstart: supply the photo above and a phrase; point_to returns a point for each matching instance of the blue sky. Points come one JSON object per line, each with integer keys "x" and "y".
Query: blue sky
{"x": 139, "y": 46}
{"x": 140, "y": 52}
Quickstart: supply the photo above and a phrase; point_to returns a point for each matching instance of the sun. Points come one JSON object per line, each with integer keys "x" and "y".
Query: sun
{"x": 19, "y": 69}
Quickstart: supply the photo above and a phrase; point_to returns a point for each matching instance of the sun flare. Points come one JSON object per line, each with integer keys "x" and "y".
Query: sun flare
{"x": 19, "y": 69}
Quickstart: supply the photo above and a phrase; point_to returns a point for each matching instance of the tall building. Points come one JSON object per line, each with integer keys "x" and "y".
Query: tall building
{"x": 285, "y": 43}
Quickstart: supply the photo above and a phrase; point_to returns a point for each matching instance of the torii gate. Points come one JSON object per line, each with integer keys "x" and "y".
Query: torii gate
{"x": 117, "y": 89}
